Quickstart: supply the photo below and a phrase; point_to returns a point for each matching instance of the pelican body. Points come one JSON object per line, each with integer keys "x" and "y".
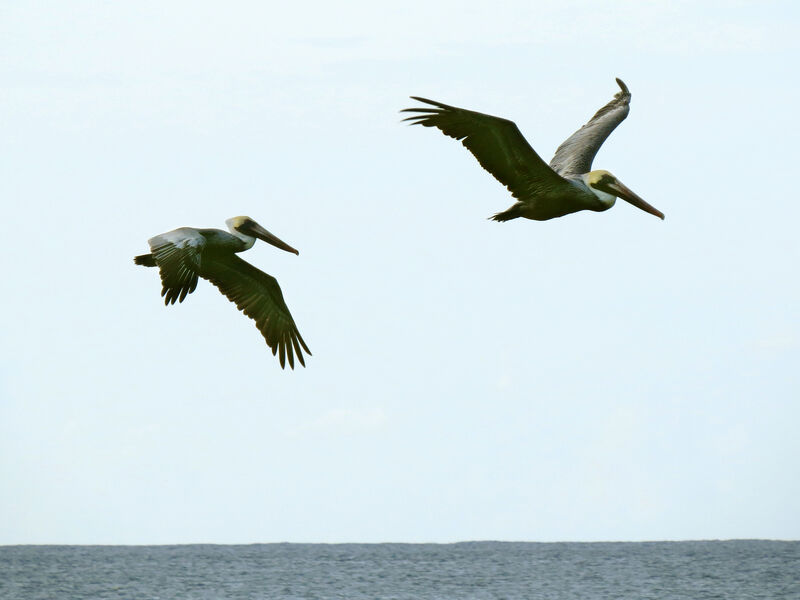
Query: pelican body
{"x": 185, "y": 254}
{"x": 543, "y": 191}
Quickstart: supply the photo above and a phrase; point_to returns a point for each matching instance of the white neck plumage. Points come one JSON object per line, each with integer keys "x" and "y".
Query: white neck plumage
{"x": 607, "y": 199}
{"x": 247, "y": 240}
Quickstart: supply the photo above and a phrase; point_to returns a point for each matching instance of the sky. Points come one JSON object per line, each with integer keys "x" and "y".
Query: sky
{"x": 603, "y": 376}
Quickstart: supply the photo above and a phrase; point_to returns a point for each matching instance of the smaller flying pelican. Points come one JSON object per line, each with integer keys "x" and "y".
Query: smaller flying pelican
{"x": 184, "y": 254}
{"x": 542, "y": 191}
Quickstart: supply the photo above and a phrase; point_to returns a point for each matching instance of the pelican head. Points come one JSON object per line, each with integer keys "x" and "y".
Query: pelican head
{"x": 607, "y": 187}
{"x": 247, "y": 229}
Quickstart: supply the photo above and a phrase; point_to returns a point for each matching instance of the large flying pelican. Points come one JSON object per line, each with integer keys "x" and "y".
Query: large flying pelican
{"x": 543, "y": 192}
{"x": 184, "y": 254}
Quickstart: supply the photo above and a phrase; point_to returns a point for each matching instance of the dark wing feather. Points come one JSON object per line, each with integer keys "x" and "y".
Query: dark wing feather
{"x": 177, "y": 255}
{"x": 259, "y": 296}
{"x": 497, "y": 144}
{"x": 576, "y": 154}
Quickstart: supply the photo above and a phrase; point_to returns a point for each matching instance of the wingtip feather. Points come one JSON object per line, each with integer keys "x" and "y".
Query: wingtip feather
{"x": 431, "y": 102}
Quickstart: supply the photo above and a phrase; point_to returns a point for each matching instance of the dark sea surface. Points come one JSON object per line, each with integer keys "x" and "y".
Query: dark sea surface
{"x": 642, "y": 570}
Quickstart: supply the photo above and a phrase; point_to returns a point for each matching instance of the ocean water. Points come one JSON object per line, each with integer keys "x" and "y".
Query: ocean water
{"x": 744, "y": 569}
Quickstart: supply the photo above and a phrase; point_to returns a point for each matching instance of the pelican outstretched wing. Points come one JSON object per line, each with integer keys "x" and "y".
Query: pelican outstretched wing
{"x": 497, "y": 144}
{"x": 576, "y": 154}
{"x": 259, "y": 296}
{"x": 177, "y": 255}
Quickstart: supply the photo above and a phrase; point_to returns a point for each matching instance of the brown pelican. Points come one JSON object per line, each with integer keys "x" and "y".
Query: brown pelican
{"x": 184, "y": 254}
{"x": 543, "y": 192}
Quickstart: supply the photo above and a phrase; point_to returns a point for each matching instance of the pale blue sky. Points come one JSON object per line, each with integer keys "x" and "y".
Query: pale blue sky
{"x": 605, "y": 376}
